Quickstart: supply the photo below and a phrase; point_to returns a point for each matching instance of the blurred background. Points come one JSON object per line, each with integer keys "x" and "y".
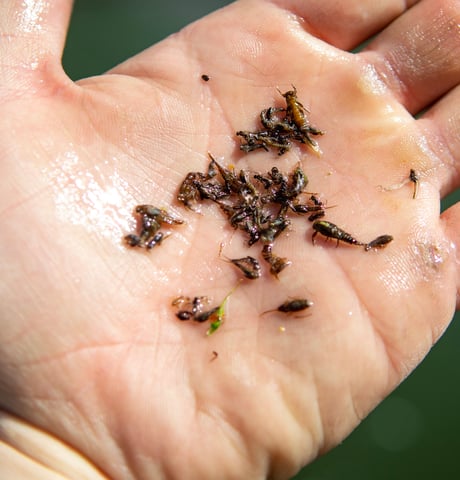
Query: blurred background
{"x": 413, "y": 433}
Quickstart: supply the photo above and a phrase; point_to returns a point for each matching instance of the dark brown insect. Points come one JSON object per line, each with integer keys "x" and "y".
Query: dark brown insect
{"x": 292, "y": 306}
{"x": 415, "y": 178}
{"x": 248, "y": 265}
{"x": 152, "y": 219}
{"x": 273, "y": 228}
{"x": 184, "y": 315}
{"x": 189, "y": 307}
{"x": 277, "y": 264}
{"x": 204, "y": 316}
{"x": 379, "y": 242}
{"x": 330, "y": 230}
{"x": 155, "y": 240}
{"x": 296, "y": 113}
{"x": 271, "y": 121}
{"x": 205, "y": 77}
{"x": 281, "y": 126}
{"x": 264, "y": 139}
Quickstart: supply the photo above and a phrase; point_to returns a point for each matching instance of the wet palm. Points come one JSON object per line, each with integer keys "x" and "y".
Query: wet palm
{"x": 91, "y": 349}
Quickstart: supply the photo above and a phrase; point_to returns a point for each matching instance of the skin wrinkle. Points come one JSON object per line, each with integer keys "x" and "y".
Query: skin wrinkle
{"x": 406, "y": 62}
{"x": 232, "y": 434}
{"x": 446, "y": 154}
{"x": 366, "y": 310}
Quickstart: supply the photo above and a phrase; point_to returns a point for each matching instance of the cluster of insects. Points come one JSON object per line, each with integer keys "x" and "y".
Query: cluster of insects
{"x": 193, "y": 309}
{"x": 257, "y": 204}
{"x": 281, "y": 126}
{"x": 261, "y": 205}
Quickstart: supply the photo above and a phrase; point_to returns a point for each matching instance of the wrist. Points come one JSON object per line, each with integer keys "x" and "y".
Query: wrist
{"x": 28, "y": 452}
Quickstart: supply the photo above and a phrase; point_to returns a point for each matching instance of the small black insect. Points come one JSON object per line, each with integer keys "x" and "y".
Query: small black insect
{"x": 152, "y": 218}
{"x": 204, "y": 316}
{"x": 292, "y": 306}
{"x": 264, "y": 139}
{"x": 248, "y": 265}
{"x": 184, "y": 315}
{"x": 277, "y": 264}
{"x": 189, "y": 307}
{"x": 379, "y": 242}
{"x": 205, "y": 77}
{"x": 330, "y": 230}
{"x": 155, "y": 240}
{"x": 414, "y": 178}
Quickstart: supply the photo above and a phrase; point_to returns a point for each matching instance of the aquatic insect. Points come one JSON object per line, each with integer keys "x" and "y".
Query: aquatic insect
{"x": 273, "y": 228}
{"x": 281, "y": 126}
{"x": 184, "y": 315}
{"x": 414, "y": 178}
{"x": 152, "y": 218}
{"x": 156, "y": 240}
{"x": 248, "y": 265}
{"x": 313, "y": 205}
{"x": 291, "y": 306}
{"x": 296, "y": 112}
{"x": 192, "y": 309}
{"x": 204, "y": 316}
{"x": 379, "y": 242}
{"x": 277, "y": 264}
{"x": 330, "y": 230}
{"x": 264, "y": 139}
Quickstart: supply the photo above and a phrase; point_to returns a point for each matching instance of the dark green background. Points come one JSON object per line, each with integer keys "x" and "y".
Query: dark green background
{"x": 413, "y": 433}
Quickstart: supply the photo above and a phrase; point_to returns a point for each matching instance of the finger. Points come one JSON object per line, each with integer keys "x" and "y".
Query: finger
{"x": 451, "y": 219}
{"x": 441, "y": 124}
{"x": 418, "y": 54}
{"x": 345, "y": 24}
{"x": 32, "y": 37}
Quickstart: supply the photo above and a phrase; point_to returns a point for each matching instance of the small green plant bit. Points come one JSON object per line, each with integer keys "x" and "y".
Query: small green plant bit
{"x": 191, "y": 308}
{"x": 219, "y": 313}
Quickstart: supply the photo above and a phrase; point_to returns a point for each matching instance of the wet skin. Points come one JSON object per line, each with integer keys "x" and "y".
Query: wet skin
{"x": 91, "y": 352}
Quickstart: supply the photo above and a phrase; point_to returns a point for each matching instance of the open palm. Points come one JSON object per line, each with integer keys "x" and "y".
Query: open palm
{"x": 91, "y": 351}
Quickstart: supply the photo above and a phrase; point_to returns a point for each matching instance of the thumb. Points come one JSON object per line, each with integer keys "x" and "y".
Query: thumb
{"x": 32, "y": 37}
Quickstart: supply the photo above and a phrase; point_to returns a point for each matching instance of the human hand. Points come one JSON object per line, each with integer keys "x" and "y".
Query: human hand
{"x": 91, "y": 350}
